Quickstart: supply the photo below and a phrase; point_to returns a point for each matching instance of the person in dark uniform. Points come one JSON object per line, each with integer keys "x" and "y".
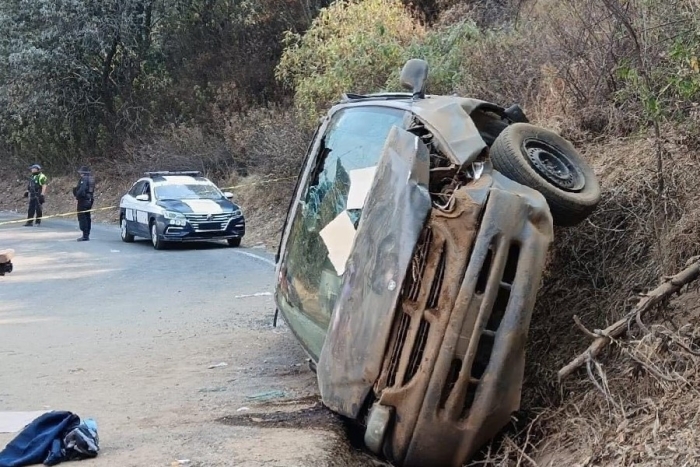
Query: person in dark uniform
{"x": 36, "y": 190}
{"x": 84, "y": 193}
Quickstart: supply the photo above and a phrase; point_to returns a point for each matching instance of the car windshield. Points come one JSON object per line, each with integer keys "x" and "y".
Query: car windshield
{"x": 354, "y": 141}
{"x": 198, "y": 191}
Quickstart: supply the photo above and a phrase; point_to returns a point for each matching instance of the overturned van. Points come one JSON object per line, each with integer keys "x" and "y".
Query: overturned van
{"x": 411, "y": 259}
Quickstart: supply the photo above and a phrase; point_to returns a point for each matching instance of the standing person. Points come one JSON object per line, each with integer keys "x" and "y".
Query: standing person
{"x": 84, "y": 194}
{"x": 36, "y": 190}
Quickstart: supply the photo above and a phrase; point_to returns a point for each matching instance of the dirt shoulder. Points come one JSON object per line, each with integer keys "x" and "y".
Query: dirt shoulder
{"x": 180, "y": 366}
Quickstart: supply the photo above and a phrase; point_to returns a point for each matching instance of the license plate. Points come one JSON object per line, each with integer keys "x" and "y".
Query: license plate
{"x": 210, "y": 226}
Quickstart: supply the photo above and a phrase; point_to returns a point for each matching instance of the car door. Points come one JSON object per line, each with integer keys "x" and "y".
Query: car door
{"x": 136, "y": 210}
{"x": 145, "y": 208}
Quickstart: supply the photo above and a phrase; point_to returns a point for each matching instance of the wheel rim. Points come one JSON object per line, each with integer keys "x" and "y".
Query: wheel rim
{"x": 154, "y": 235}
{"x": 554, "y": 165}
{"x": 124, "y": 231}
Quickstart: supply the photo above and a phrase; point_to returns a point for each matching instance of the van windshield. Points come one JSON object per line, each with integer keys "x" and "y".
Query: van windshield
{"x": 354, "y": 140}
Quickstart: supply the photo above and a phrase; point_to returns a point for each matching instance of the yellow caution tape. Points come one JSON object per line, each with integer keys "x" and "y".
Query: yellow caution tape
{"x": 73, "y": 213}
{"x": 65, "y": 214}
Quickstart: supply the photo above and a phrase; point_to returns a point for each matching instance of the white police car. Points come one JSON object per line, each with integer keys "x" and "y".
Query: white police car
{"x": 179, "y": 206}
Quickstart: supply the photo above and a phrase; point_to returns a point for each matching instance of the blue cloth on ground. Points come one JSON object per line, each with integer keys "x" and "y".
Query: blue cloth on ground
{"x": 50, "y": 439}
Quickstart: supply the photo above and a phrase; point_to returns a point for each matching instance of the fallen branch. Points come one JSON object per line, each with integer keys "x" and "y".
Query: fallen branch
{"x": 672, "y": 285}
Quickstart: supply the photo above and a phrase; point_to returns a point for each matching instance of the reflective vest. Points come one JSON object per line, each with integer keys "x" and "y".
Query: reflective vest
{"x": 36, "y": 181}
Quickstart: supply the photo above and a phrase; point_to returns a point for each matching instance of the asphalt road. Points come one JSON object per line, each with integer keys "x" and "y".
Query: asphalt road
{"x": 126, "y": 334}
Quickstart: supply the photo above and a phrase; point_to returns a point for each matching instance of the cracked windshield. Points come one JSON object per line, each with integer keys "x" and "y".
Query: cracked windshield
{"x": 354, "y": 141}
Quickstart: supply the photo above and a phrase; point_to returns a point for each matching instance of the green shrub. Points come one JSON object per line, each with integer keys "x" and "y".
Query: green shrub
{"x": 351, "y": 46}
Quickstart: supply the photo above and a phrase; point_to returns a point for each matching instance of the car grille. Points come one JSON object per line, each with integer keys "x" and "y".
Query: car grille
{"x": 422, "y": 308}
{"x": 453, "y": 367}
{"x": 209, "y": 222}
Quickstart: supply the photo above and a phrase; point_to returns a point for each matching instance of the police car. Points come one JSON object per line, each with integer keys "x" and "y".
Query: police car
{"x": 179, "y": 206}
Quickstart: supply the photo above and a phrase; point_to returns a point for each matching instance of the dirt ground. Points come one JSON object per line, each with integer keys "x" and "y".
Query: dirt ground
{"x": 172, "y": 352}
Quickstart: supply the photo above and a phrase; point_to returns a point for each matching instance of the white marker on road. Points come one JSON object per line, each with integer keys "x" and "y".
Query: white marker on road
{"x": 251, "y": 255}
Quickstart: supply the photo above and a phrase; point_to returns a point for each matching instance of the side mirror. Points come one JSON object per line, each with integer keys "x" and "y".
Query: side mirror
{"x": 228, "y": 195}
{"x": 142, "y": 198}
{"x": 414, "y": 76}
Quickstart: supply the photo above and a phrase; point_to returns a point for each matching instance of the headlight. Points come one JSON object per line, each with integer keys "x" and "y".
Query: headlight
{"x": 176, "y": 218}
{"x": 173, "y": 215}
{"x": 236, "y": 213}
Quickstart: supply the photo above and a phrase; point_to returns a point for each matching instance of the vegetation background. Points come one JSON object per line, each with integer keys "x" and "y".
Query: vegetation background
{"x": 234, "y": 88}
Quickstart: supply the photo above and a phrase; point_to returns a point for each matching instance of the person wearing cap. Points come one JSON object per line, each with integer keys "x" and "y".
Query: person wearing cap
{"x": 84, "y": 193}
{"x": 36, "y": 191}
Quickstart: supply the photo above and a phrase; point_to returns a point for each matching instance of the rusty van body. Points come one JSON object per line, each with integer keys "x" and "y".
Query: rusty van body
{"x": 409, "y": 267}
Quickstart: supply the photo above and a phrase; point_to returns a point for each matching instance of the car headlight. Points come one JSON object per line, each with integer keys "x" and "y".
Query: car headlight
{"x": 236, "y": 213}
{"x": 173, "y": 215}
{"x": 176, "y": 218}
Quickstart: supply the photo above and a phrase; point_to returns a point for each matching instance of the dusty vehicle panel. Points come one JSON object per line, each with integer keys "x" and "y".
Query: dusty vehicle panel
{"x": 409, "y": 264}
{"x": 391, "y": 223}
{"x": 469, "y": 314}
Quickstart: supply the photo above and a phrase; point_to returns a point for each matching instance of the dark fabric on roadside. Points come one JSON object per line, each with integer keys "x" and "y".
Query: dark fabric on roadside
{"x": 82, "y": 442}
{"x": 32, "y": 445}
{"x": 50, "y": 439}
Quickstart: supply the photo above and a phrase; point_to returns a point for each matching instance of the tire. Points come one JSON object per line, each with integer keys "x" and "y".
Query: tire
{"x": 157, "y": 243}
{"x": 126, "y": 236}
{"x": 234, "y": 242}
{"x": 546, "y": 162}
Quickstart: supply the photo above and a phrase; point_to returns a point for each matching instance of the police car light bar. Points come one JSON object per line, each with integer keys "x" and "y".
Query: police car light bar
{"x": 191, "y": 173}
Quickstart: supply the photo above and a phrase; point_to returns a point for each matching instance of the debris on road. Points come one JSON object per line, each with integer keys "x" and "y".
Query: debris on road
{"x": 218, "y": 365}
{"x": 266, "y": 396}
{"x": 259, "y": 294}
{"x": 216, "y": 389}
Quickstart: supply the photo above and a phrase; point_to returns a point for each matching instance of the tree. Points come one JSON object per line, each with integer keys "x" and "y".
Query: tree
{"x": 70, "y": 72}
{"x": 350, "y": 46}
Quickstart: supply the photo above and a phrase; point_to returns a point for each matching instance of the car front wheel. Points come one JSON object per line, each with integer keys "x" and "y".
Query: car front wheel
{"x": 158, "y": 244}
{"x": 548, "y": 163}
{"x": 234, "y": 242}
{"x": 126, "y": 236}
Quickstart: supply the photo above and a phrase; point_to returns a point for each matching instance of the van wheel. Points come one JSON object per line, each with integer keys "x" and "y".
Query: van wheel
{"x": 546, "y": 162}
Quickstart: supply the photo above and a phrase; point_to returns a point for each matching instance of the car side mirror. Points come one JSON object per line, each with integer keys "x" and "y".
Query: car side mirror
{"x": 228, "y": 195}
{"x": 142, "y": 198}
{"x": 414, "y": 76}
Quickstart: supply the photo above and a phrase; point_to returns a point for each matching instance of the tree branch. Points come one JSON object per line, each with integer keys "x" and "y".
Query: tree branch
{"x": 673, "y": 285}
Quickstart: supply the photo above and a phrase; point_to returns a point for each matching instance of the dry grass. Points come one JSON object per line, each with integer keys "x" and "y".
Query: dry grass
{"x": 641, "y": 409}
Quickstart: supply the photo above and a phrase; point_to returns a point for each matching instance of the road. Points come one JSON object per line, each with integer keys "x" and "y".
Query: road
{"x": 127, "y": 335}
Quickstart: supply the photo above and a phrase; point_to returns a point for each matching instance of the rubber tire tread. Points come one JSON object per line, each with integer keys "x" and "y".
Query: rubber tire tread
{"x": 508, "y": 157}
{"x": 160, "y": 244}
{"x": 128, "y": 238}
{"x": 234, "y": 242}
